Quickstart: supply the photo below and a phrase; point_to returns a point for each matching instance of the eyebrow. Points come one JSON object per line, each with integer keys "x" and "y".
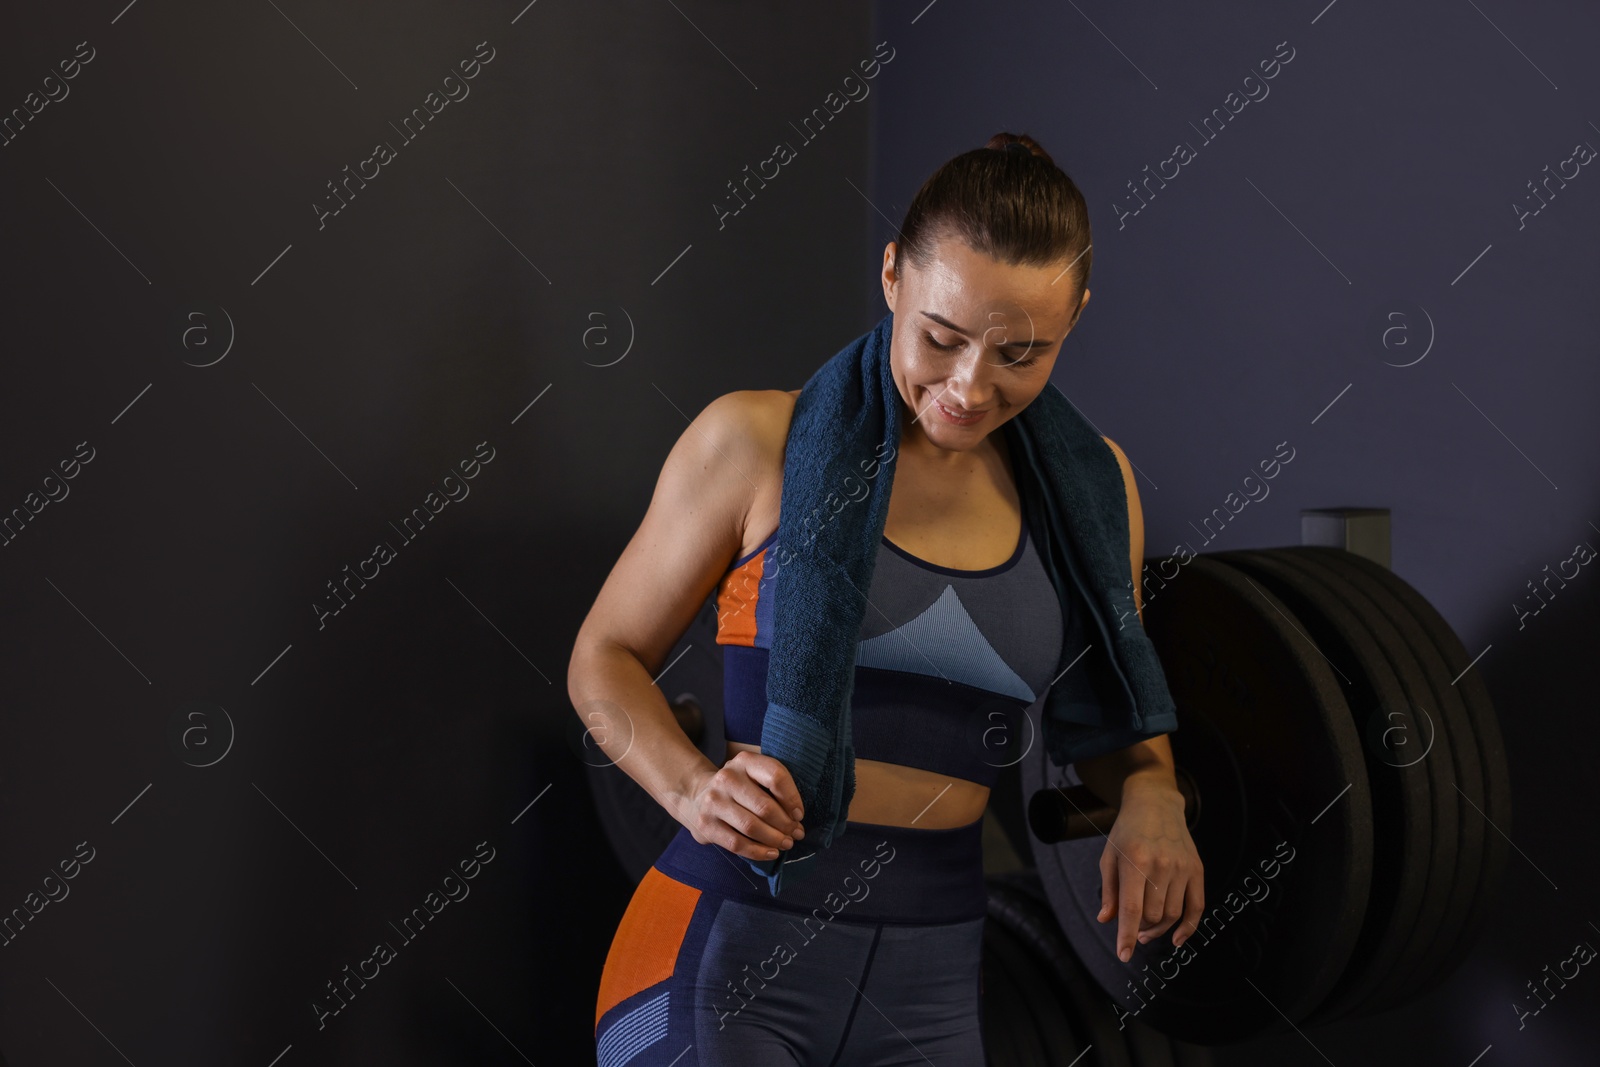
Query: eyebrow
{"x": 947, "y": 324}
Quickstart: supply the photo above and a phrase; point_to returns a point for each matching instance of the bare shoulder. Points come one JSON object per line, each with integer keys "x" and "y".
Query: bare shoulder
{"x": 1131, "y": 485}
{"x": 759, "y": 420}
{"x": 715, "y": 481}
{"x": 1127, "y": 467}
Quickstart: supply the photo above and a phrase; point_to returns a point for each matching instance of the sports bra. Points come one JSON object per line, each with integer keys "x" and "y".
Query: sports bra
{"x": 947, "y": 660}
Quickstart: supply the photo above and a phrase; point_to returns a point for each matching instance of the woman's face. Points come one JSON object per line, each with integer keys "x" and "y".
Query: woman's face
{"x": 974, "y": 338}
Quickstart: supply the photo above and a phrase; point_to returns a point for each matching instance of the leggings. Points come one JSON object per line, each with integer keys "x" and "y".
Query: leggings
{"x": 870, "y": 959}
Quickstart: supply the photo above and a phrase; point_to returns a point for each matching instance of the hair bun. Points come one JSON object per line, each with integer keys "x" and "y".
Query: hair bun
{"x": 1006, "y": 141}
{"x": 1009, "y": 211}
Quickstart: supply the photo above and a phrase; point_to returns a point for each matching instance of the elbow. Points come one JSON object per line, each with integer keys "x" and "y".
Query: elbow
{"x": 591, "y": 658}
{"x": 580, "y": 671}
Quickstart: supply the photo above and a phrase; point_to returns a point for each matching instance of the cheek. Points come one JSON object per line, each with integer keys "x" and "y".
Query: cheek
{"x": 936, "y": 367}
{"x": 917, "y": 369}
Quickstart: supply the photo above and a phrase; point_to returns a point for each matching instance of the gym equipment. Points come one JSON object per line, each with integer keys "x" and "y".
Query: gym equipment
{"x": 1484, "y": 728}
{"x": 1285, "y": 825}
{"x": 1443, "y": 740}
{"x": 1017, "y": 902}
{"x": 1016, "y": 1002}
{"x": 1386, "y": 696}
{"x": 1435, "y": 769}
{"x": 1018, "y": 905}
{"x": 1482, "y": 778}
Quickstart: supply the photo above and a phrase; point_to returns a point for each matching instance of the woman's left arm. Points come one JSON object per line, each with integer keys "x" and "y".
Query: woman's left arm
{"x": 1150, "y": 872}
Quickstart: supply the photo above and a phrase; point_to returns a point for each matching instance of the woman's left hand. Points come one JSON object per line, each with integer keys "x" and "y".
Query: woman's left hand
{"x": 1150, "y": 872}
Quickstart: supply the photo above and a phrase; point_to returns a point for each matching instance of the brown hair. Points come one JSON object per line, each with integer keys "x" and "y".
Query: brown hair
{"x": 1019, "y": 208}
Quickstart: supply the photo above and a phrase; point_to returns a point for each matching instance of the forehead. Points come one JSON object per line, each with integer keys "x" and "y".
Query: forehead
{"x": 967, "y": 287}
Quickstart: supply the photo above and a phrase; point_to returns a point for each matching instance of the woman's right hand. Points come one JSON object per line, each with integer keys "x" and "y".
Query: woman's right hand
{"x": 750, "y": 806}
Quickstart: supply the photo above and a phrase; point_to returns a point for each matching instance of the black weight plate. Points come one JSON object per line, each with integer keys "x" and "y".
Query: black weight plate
{"x": 1264, "y": 732}
{"x": 1003, "y": 1016}
{"x": 1452, "y": 758}
{"x": 1058, "y": 1037}
{"x": 1148, "y": 1047}
{"x": 1403, "y": 798}
{"x": 1036, "y": 997}
{"x": 1025, "y": 911}
{"x": 637, "y": 827}
{"x": 1133, "y": 1043}
{"x": 1187, "y": 1055}
{"x": 1360, "y": 990}
{"x": 1062, "y": 1045}
{"x": 1047, "y": 1034}
{"x": 1466, "y": 877}
{"x": 1009, "y": 806}
{"x": 1025, "y": 881}
{"x": 1491, "y": 748}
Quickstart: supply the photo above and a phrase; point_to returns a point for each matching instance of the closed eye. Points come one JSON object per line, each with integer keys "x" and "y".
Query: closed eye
{"x": 931, "y": 343}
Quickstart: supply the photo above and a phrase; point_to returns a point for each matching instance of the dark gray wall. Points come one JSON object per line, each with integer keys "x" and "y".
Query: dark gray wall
{"x": 1378, "y": 171}
{"x": 262, "y": 390}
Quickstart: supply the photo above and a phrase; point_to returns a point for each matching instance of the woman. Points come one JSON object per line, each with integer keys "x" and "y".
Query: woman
{"x": 872, "y": 957}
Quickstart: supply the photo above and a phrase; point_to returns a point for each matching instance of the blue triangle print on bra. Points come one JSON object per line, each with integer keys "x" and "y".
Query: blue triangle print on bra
{"x": 944, "y": 642}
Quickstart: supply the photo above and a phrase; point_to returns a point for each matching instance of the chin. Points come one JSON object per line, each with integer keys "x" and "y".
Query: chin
{"x": 958, "y": 438}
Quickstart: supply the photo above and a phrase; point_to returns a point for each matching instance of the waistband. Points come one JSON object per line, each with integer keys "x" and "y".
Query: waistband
{"x": 871, "y": 873}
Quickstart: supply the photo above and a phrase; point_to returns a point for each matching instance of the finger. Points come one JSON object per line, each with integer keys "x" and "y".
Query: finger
{"x": 1157, "y": 884}
{"x": 1130, "y": 905}
{"x": 1194, "y": 907}
{"x": 1177, "y": 893}
{"x": 740, "y": 845}
{"x": 1172, "y": 910}
{"x": 735, "y": 810}
{"x": 1108, "y": 884}
{"x": 776, "y": 777}
{"x": 749, "y": 793}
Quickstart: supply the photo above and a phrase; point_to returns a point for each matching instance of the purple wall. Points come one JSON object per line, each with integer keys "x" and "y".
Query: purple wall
{"x": 1242, "y": 303}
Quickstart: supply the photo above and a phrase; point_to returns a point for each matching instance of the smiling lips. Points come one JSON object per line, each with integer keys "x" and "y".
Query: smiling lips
{"x": 957, "y": 416}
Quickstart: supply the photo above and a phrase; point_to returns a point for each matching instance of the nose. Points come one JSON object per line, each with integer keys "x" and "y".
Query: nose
{"x": 967, "y": 387}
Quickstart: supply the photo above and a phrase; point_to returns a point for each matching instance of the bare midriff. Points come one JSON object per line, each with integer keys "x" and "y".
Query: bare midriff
{"x": 893, "y": 795}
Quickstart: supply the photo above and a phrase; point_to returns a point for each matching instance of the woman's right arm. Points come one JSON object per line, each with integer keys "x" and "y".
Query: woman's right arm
{"x": 691, "y": 532}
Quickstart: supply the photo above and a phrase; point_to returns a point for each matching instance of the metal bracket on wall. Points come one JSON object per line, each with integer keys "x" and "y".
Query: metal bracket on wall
{"x": 1364, "y": 531}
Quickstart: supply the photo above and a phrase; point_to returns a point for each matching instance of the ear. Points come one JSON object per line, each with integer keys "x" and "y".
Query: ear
{"x": 891, "y": 276}
{"x": 1076, "y": 315}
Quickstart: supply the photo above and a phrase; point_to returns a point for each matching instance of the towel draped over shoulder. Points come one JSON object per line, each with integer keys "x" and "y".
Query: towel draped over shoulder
{"x": 843, "y": 437}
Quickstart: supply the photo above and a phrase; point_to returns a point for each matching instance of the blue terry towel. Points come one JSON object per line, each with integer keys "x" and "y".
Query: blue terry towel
{"x": 834, "y": 505}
